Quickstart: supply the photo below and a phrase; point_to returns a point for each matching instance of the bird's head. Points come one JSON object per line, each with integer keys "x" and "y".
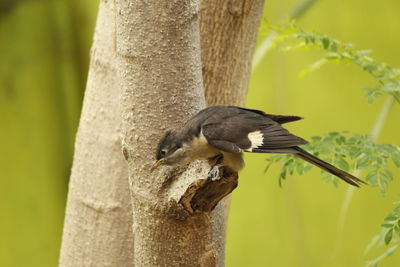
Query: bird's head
{"x": 170, "y": 150}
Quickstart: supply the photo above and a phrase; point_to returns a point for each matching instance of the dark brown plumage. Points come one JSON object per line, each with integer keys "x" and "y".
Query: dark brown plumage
{"x": 229, "y": 131}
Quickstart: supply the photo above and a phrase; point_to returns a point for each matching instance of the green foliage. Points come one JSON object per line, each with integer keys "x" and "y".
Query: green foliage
{"x": 392, "y": 224}
{"x": 387, "y": 78}
{"x": 348, "y": 152}
{"x": 341, "y": 247}
{"x": 390, "y": 234}
{"x": 353, "y": 153}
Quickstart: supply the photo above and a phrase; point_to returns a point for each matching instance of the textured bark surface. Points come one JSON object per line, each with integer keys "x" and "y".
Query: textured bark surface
{"x": 228, "y": 36}
{"x": 203, "y": 195}
{"x": 160, "y": 72}
{"x": 157, "y": 51}
{"x": 98, "y": 222}
{"x": 229, "y": 31}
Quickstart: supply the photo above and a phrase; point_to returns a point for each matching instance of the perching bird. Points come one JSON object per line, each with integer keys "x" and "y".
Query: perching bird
{"x": 228, "y": 131}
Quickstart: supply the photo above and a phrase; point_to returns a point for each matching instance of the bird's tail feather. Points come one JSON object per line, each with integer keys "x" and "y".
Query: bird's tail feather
{"x": 347, "y": 177}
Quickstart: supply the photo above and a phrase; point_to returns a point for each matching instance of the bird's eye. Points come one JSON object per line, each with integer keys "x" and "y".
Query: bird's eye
{"x": 163, "y": 152}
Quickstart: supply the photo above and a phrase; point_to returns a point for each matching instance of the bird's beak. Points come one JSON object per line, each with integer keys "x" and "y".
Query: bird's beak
{"x": 157, "y": 164}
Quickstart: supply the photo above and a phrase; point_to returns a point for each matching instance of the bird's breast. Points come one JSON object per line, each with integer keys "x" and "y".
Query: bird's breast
{"x": 199, "y": 148}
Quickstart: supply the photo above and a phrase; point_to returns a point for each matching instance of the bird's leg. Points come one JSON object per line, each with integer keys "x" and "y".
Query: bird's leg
{"x": 216, "y": 163}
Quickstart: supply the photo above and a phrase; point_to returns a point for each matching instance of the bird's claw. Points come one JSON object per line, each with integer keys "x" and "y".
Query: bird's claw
{"x": 214, "y": 173}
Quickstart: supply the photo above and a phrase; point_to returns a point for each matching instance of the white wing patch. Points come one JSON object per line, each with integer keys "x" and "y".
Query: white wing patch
{"x": 256, "y": 138}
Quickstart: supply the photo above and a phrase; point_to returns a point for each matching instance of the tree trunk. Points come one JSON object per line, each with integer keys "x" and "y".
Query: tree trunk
{"x": 98, "y": 222}
{"x": 160, "y": 72}
{"x": 229, "y": 33}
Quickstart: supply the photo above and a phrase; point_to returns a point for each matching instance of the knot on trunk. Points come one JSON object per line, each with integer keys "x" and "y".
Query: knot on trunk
{"x": 190, "y": 191}
{"x": 204, "y": 194}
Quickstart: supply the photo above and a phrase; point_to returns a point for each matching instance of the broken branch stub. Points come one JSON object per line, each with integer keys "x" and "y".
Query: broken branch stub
{"x": 199, "y": 195}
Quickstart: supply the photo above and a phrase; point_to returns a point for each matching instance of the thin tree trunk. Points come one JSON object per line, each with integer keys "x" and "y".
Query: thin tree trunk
{"x": 98, "y": 223}
{"x": 229, "y": 32}
{"x": 160, "y": 72}
{"x": 159, "y": 69}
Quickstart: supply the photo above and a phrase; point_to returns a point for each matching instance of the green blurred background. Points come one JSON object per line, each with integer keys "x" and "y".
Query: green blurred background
{"x": 44, "y": 53}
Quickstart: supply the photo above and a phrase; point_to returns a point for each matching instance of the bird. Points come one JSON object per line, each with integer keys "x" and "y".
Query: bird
{"x": 223, "y": 133}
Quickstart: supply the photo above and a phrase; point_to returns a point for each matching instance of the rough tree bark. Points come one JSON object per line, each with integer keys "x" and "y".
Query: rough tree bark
{"x": 160, "y": 72}
{"x": 98, "y": 222}
{"x": 229, "y": 32}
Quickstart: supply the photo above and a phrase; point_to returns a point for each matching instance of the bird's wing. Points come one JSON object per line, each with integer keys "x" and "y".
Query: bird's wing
{"x": 243, "y": 130}
{"x": 278, "y": 118}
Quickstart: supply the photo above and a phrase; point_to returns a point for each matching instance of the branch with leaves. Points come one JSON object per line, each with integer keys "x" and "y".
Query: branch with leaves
{"x": 387, "y": 78}
{"x": 389, "y": 235}
{"x": 348, "y": 152}
{"x": 351, "y": 152}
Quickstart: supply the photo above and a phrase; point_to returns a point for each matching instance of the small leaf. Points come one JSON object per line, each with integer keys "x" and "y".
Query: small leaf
{"x": 387, "y": 225}
{"x": 371, "y": 177}
{"x": 267, "y": 168}
{"x": 397, "y": 229}
{"x": 343, "y": 164}
{"x": 325, "y": 42}
{"x": 369, "y": 68}
{"x": 333, "y": 47}
{"x": 307, "y": 168}
{"x": 396, "y": 161}
{"x": 283, "y": 174}
{"x": 390, "y": 218}
{"x": 389, "y": 174}
{"x": 388, "y": 236}
{"x": 299, "y": 169}
{"x": 362, "y": 163}
{"x": 316, "y": 138}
